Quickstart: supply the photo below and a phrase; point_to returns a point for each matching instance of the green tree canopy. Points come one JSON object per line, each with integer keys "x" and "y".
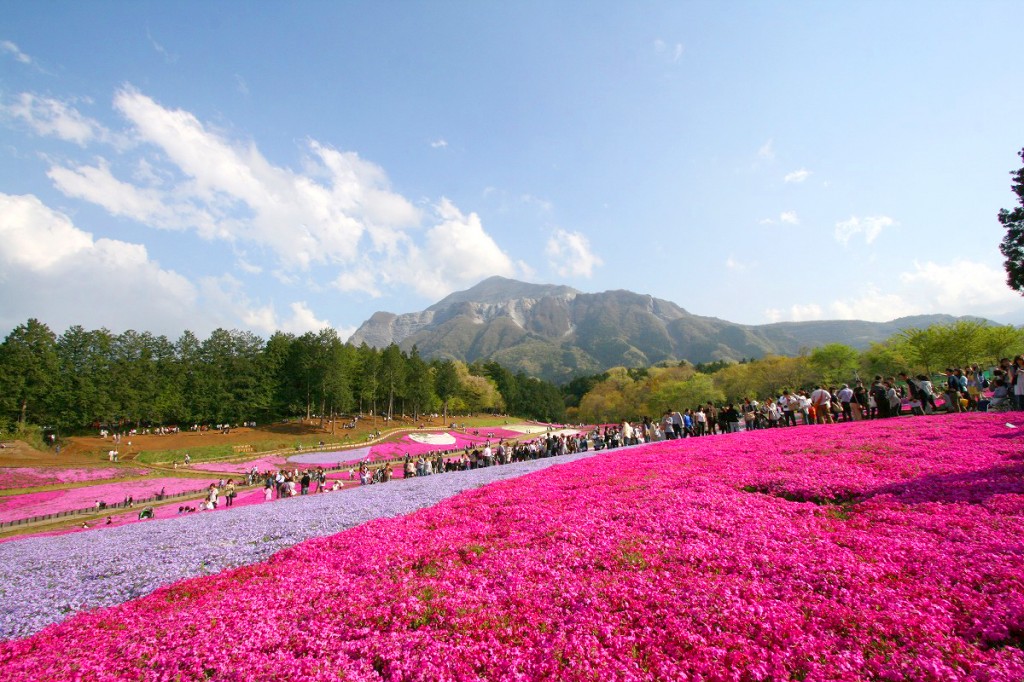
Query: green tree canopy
{"x": 28, "y": 370}
{"x": 834, "y": 363}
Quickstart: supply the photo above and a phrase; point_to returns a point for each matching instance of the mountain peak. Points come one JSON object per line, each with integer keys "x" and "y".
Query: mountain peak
{"x": 497, "y": 289}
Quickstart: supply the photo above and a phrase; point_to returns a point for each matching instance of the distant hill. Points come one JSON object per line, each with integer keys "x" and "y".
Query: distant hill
{"x": 556, "y": 332}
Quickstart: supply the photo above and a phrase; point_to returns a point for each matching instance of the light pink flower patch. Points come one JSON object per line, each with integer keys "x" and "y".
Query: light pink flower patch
{"x": 12, "y": 478}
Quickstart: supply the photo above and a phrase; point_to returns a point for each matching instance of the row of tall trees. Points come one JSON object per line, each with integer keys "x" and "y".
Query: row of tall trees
{"x": 631, "y": 393}
{"x": 86, "y": 377}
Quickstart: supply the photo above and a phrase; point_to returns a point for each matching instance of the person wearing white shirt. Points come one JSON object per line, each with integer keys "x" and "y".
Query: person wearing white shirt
{"x": 822, "y": 401}
{"x": 789, "y": 403}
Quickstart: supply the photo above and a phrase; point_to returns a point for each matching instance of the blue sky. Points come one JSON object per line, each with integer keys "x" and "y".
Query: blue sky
{"x": 285, "y": 166}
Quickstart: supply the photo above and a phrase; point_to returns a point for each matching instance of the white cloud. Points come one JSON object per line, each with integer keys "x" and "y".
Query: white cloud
{"x": 36, "y": 238}
{"x": 361, "y": 280}
{"x": 52, "y": 117}
{"x": 674, "y": 52}
{"x": 241, "y": 85}
{"x": 870, "y": 227}
{"x": 570, "y": 254}
{"x": 302, "y": 320}
{"x": 231, "y": 192}
{"x": 735, "y": 265}
{"x": 13, "y": 50}
{"x": 810, "y": 311}
{"x": 542, "y": 204}
{"x": 48, "y": 264}
{"x": 960, "y": 287}
{"x": 456, "y": 252}
{"x": 795, "y": 313}
{"x": 98, "y": 185}
{"x": 786, "y": 217}
{"x": 767, "y": 151}
{"x": 336, "y": 213}
{"x": 439, "y": 143}
{"x": 873, "y": 305}
{"x": 168, "y": 56}
{"x": 797, "y": 176}
{"x": 246, "y": 266}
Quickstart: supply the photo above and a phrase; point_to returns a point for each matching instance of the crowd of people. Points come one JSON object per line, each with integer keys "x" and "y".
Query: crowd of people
{"x": 959, "y": 390}
{"x": 503, "y": 452}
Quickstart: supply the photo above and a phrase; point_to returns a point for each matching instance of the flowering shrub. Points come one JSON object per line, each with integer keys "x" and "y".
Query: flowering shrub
{"x": 881, "y": 550}
{"x": 13, "y": 478}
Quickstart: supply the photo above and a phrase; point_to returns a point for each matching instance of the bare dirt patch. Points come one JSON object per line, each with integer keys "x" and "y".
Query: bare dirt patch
{"x": 78, "y": 451}
{"x": 20, "y": 454}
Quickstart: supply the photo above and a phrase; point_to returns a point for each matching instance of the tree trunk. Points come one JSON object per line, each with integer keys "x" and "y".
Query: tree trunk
{"x": 307, "y": 401}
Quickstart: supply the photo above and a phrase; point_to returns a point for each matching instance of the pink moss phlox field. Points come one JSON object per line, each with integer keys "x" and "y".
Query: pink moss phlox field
{"x": 886, "y": 550}
{"x": 262, "y": 464}
{"x": 53, "y": 501}
{"x": 12, "y": 478}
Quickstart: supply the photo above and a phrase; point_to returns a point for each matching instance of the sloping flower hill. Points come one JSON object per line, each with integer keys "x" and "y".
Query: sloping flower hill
{"x": 27, "y": 505}
{"x": 12, "y": 478}
{"x": 887, "y": 550}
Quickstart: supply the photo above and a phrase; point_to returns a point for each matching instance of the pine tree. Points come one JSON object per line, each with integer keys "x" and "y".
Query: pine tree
{"x": 1013, "y": 243}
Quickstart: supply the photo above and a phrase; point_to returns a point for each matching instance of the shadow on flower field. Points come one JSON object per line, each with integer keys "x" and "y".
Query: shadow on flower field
{"x": 971, "y": 487}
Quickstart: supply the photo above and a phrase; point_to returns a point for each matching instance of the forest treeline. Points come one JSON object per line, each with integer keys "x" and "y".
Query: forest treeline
{"x": 84, "y": 378}
{"x": 631, "y": 393}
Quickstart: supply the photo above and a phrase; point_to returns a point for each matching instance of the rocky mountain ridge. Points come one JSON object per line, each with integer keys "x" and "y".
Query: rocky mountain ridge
{"x": 557, "y": 332}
